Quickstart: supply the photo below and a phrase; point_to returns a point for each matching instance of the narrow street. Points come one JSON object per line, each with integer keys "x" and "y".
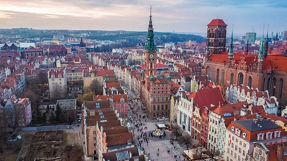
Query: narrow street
{"x": 156, "y": 148}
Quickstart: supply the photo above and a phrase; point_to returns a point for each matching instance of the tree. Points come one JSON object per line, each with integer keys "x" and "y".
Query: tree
{"x": 176, "y": 131}
{"x": 93, "y": 86}
{"x": 187, "y": 140}
{"x": 58, "y": 113}
{"x": 42, "y": 78}
{"x": 85, "y": 97}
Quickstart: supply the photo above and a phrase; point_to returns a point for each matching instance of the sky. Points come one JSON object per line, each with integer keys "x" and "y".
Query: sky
{"x": 184, "y": 16}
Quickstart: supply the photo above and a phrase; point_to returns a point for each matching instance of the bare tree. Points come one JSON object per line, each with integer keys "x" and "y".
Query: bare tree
{"x": 176, "y": 131}
{"x": 187, "y": 140}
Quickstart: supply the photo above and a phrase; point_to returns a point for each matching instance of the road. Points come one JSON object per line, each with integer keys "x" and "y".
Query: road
{"x": 155, "y": 148}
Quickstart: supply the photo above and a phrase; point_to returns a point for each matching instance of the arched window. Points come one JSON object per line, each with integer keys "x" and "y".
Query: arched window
{"x": 268, "y": 85}
{"x": 263, "y": 85}
{"x": 231, "y": 78}
{"x": 222, "y": 77}
{"x": 273, "y": 86}
{"x": 213, "y": 75}
{"x": 280, "y": 88}
{"x": 250, "y": 82}
{"x": 217, "y": 75}
{"x": 208, "y": 72}
{"x": 240, "y": 78}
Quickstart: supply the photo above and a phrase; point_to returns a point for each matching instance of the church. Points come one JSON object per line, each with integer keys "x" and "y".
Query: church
{"x": 155, "y": 88}
{"x": 262, "y": 71}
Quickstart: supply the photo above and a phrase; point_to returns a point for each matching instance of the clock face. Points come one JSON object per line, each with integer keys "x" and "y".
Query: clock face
{"x": 151, "y": 56}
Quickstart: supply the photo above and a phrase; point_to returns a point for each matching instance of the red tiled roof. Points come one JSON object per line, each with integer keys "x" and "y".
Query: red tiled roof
{"x": 119, "y": 139}
{"x": 217, "y": 22}
{"x": 117, "y": 98}
{"x": 275, "y": 62}
{"x": 157, "y": 66}
{"x": 208, "y": 96}
{"x": 113, "y": 84}
{"x": 104, "y": 72}
{"x": 101, "y": 97}
{"x": 56, "y": 73}
{"x": 229, "y": 108}
{"x": 223, "y": 58}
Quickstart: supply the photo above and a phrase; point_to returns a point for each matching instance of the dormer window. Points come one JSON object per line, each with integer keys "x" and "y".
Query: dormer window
{"x": 237, "y": 132}
{"x": 277, "y": 134}
{"x": 269, "y": 135}
{"x": 260, "y": 136}
{"x": 244, "y": 135}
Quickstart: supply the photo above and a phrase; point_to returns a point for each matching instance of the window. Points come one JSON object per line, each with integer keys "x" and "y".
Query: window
{"x": 250, "y": 82}
{"x": 277, "y": 134}
{"x": 260, "y": 136}
{"x": 280, "y": 88}
{"x": 217, "y": 75}
{"x": 269, "y": 135}
{"x": 244, "y": 136}
{"x": 222, "y": 77}
{"x": 154, "y": 108}
{"x": 240, "y": 78}
{"x": 231, "y": 78}
{"x": 232, "y": 128}
{"x": 263, "y": 85}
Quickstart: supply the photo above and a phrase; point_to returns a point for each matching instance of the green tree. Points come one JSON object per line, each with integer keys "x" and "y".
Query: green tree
{"x": 85, "y": 97}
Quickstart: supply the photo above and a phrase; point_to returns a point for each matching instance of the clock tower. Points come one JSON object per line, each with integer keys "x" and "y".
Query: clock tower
{"x": 150, "y": 53}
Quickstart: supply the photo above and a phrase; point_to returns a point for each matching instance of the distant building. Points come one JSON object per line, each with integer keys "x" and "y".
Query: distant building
{"x": 23, "y": 112}
{"x": 251, "y": 37}
{"x": 285, "y": 35}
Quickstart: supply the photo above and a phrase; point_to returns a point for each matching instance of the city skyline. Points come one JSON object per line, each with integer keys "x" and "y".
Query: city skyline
{"x": 169, "y": 16}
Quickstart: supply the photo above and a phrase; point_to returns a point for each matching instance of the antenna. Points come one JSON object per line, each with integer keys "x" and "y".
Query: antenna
{"x": 150, "y": 10}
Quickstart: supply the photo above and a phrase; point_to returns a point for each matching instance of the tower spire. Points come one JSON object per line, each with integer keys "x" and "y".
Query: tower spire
{"x": 266, "y": 46}
{"x": 150, "y": 46}
{"x": 261, "y": 51}
{"x": 230, "y": 53}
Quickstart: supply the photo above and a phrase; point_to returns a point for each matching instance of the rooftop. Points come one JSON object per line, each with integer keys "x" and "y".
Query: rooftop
{"x": 257, "y": 124}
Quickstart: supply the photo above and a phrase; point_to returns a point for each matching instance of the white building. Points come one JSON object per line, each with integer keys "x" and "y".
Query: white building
{"x": 184, "y": 115}
{"x": 57, "y": 83}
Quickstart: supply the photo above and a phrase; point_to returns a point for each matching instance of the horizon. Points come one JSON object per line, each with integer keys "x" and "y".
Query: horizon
{"x": 182, "y": 16}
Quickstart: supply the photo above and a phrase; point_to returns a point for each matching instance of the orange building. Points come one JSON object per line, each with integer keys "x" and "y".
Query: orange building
{"x": 155, "y": 88}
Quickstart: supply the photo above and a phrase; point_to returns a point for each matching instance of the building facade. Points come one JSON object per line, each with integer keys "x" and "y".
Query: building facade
{"x": 155, "y": 89}
{"x": 262, "y": 71}
{"x": 57, "y": 83}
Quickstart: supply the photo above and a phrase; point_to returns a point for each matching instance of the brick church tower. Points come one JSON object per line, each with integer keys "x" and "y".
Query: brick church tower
{"x": 216, "y": 36}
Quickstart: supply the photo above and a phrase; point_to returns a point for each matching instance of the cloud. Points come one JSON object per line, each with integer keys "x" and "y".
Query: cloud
{"x": 168, "y": 15}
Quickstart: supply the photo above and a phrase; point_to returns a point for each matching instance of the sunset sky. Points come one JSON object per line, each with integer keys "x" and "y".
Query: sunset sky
{"x": 168, "y": 15}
